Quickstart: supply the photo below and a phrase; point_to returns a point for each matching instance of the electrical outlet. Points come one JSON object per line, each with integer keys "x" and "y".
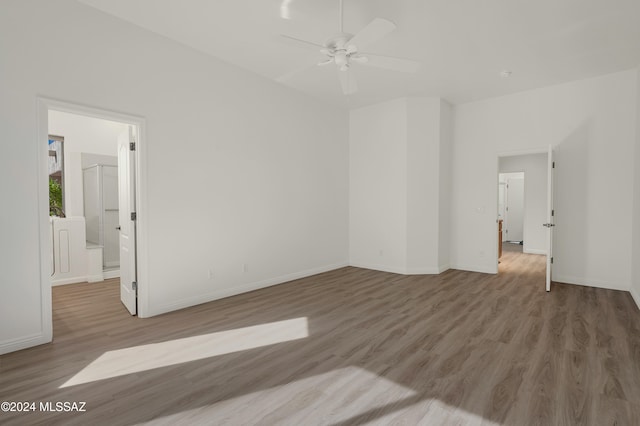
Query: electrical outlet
{"x": 245, "y": 268}
{"x": 210, "y": 274}
{"x": 381, "y": 252}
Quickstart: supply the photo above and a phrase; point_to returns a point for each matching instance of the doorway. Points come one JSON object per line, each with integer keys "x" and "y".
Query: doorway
{"x": 522, "y": 212}
{"x": 85, "y": 176}
{"x": 101, "y": 186}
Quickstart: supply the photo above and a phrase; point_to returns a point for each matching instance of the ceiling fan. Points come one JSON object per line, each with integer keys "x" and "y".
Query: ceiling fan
{"x": 344, "y": 50}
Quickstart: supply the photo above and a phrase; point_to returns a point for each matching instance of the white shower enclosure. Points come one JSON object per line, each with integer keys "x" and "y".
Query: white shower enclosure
{"x": 101, "y": 212}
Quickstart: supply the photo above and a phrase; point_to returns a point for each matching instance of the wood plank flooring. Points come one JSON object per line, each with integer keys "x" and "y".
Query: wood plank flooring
{"x": 459, "y": 348}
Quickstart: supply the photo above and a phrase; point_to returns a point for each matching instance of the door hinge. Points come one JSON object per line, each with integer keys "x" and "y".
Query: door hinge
{"x": 134, "y": 216}
{"x": 552, "y": 260}
{"x": 553, "y": 165}
{"x": 134, "y": 286}
{"x": 132, "y": 146}
{"x": 553, "y": 212}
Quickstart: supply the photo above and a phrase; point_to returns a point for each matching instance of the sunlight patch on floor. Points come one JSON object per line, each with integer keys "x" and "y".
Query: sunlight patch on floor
{"x": 364, "y": 398}
{"x": 310, "y": 399}
{"x": 443, "y": 413}
{"x": 156, "y": 355}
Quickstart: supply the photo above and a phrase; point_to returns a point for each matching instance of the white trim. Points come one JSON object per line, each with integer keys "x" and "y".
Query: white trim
{"x": 44, "y": 105}
{"x": 111, "y": 274}
{"x": 475, "y": 268}
{"x": 95, "y": 278}
{"x": 88, "y": 278}
{"x": 421, "y": 271}
{"x": 244, "y": 288}
{"x": 516, "y": 153}
{"x": 376, "y": 267}
{"x": 443, "y": 268}
{"x": 636, "y": 296}
{"x": 142, "y": 251}
{"x": 46, "y": 314}
{"x": 23, "y": 343}
{"x": 568, "y": 279}
{"x": 534, "y": 251}
{"x": 74, "y": 280}
{"x": 89, "y": 111}
{"x": 427, "y": 270}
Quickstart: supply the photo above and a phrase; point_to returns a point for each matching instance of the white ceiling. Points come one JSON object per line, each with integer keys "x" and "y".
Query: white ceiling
{"x": 462, "y": 45}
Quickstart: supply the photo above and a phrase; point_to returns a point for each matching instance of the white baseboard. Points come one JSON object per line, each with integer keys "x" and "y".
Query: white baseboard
{"x": 636, "y": 296}
{"x": 377, "y": 267}
{"x": 474, "y": 268}
{"x": 111, "y": 274}
{"x": 426, "y": 270}
{"x": 402, "y": 271}
{"x": 88, "y": 279}
{"x": 244, "y": 288}
{"x": 443, "y": 268}
{"x": 95, "y": 278}
{"x": 567, "y": 279}
{"x": 23, "y": 343}
{"x": 534, "y": 251}
{"x": 65, "y": 281}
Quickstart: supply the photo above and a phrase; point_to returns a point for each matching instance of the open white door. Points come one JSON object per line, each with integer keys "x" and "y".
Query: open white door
{"x": 126, "y": 192}
{"x": 550, "y": 215}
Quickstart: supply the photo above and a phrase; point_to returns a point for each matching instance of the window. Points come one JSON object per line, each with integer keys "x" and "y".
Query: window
{"x": 56, "y": 175}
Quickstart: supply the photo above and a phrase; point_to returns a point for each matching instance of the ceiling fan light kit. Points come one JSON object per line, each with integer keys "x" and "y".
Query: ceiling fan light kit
{"x": 343, "y": 50}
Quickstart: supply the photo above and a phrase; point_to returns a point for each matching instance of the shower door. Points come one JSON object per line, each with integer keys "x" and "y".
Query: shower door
{"x": 101, "y": 211}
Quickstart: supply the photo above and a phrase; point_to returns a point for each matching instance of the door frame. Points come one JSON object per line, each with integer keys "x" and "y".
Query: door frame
{"x": 44, "y": 105}
{"x": 503, "y": 154}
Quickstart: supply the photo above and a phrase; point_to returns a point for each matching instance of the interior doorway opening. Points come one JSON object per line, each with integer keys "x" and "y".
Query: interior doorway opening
{"x": 91, "y": 231}
{"x": 522, "y": 204}
{"x": 85, "y": 224}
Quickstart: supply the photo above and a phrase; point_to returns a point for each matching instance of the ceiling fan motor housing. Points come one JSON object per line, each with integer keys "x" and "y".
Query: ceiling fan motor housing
{"x": 339, "y": 50}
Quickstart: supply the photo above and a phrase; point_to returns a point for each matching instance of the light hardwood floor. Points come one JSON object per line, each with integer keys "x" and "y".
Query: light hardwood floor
{"x": 458, "y": 348}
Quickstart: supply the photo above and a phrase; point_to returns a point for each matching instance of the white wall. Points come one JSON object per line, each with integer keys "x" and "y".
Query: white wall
{"x": 82, "y": 135}
{"x": 240, "y": 170}
{"x": 378, "y": 186}
{"x": 534, "y": 167}
{"x": 591, "y": 124}
{"x": 445, "y": 177}
{"x": 423, "y": 177}
{"x": 399, "y": 186}
{"x": 635, "y": 287}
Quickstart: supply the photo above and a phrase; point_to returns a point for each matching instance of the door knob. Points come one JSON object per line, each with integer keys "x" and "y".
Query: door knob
{"x": 118, "y": 228}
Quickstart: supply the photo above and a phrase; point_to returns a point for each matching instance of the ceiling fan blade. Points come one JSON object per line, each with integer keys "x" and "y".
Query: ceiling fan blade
{"x": 377, "y": 29}
{"x": 299, "y": 43}
{"x": 389, "y": 63}
{"x": 348, "y": 82}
